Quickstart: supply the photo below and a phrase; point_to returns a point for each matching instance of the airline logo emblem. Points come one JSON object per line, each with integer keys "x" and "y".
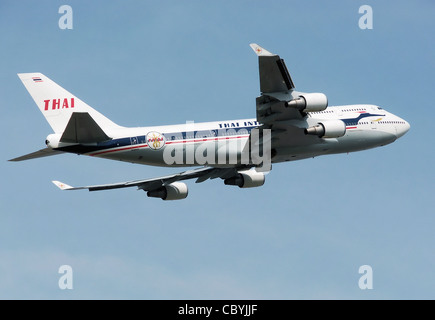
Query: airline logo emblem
{"x": 155, "y": 140}
{"x": 36, "y": 79}
{"x": 55, "y": 104}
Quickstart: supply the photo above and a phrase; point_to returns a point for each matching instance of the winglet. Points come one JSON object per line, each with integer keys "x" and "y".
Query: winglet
{"x": 62, "y": 186}
{"x": 260, "y": 51}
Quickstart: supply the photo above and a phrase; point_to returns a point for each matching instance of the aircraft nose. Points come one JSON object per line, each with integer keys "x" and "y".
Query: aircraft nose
{"x": 402, "y": 128}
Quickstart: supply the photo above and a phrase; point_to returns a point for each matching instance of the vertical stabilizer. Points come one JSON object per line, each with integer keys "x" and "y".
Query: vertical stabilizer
{"x": 57, "y": 104}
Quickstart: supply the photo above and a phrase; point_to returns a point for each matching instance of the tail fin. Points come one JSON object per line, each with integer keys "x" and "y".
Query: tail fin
{"x": 57, "y": 104}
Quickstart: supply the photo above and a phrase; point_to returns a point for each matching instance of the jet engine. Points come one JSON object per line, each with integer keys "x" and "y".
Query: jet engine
{"x": 309, "y": 102}
{"x": 172, "y": 191}
{"x": 328, "y": 129}
{"x": 246, "y": 179}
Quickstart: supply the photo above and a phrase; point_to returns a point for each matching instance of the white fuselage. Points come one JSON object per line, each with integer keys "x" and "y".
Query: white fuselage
{"x": 367, "y": 126}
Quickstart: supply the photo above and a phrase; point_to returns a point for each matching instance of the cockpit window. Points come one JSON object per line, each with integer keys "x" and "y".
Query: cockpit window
{"x": 379, "y": 108}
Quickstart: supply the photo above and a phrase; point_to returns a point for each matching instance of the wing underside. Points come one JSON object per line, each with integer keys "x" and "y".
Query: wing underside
{"x": 273, "y": 110}
{"x": 201, "y": 174}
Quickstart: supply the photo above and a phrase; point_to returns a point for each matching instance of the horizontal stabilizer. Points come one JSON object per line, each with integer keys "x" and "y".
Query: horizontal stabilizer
{"x": 38, "y": 154}
{"x": 82, "y": 128}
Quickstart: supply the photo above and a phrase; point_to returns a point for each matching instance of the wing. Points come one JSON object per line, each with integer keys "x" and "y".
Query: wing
{"x": 277, "y": 89}
{"x": 273, "y": 109}
{"x": 274, "y": 76}
{"x": 201, "y": 174}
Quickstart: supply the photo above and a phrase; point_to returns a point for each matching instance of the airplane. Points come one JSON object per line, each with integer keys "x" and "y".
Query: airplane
{"x": 289, "y": 126}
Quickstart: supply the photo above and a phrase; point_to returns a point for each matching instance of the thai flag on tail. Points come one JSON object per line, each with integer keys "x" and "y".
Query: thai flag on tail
{"x": 37, "y": 79}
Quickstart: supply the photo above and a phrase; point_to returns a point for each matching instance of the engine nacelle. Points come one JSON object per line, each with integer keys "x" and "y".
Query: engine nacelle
{"x": 309, "y": 102}
{"x": 246, "y": 179}
{"x": 328, "y": 129}
{"x": 172, "y": 191}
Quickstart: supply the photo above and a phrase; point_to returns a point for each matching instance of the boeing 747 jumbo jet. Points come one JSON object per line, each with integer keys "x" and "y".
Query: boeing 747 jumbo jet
{"x": 290, "y": 125}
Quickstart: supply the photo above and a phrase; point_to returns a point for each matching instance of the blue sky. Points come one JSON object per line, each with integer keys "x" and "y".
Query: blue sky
{"x": 303, "y": 235}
